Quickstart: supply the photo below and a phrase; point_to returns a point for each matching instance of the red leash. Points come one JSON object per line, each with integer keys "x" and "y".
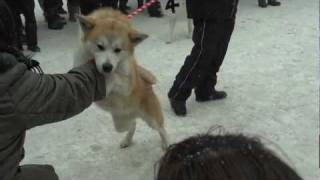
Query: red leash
{"x": 141, "y": 9}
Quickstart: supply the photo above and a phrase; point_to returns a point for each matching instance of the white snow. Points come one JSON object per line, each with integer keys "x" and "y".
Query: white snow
{"x": 270, "y": 73}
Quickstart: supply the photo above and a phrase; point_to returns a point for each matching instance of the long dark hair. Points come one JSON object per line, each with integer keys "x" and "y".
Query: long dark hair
{"x": 222, "y": 157}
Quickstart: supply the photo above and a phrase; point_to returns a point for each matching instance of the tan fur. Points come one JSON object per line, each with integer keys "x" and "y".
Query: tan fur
{"x": 138, "y": 99}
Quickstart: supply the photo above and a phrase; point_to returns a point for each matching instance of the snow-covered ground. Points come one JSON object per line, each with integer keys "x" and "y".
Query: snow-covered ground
{"x": 270, "y": 74}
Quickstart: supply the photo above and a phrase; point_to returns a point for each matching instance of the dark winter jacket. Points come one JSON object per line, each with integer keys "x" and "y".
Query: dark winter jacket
{"x": 212, "y": 9}
{"x": 28, "y": 100}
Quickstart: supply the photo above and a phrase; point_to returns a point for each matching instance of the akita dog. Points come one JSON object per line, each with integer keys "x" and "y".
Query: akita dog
{"x": 109, "y": 39}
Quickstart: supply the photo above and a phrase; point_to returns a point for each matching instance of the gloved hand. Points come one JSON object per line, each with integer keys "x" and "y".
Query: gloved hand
{"x": 7, "y": 61}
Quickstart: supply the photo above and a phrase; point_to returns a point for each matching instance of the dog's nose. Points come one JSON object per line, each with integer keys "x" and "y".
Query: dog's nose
{"x": 107, "y": 67}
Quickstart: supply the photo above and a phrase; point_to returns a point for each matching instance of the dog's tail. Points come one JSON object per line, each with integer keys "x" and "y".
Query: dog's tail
{"x": 147, "y": 75}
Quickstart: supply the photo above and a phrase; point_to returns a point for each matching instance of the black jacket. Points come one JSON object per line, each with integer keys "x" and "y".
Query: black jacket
{"x": 8, "y": 33}
{"x": 212, "y": 9}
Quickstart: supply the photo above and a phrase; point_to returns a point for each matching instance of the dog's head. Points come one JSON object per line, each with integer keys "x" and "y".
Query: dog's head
{"x": 109, "y": 37}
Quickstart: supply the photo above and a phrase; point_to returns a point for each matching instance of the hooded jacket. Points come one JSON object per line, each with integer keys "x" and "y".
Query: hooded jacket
{"x": 212, "y": 9}
{"x": 28, "y": 100}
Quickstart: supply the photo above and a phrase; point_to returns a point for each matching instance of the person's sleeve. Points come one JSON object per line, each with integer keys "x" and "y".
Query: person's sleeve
{"x": 43, "y": 99}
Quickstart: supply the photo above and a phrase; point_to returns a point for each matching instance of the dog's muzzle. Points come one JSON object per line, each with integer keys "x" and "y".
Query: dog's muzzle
{"x": 107, "y": 67}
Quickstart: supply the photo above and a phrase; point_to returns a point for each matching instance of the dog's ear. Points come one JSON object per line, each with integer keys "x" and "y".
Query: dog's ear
{"x": 86, "y": 23}
{"x": 137, "y": 37}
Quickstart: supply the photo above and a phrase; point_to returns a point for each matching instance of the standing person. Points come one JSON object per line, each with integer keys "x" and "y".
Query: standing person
{"x": 265, "y": 3}
{"x": 213, "y": 26}
{"x": 28, "y": 100}
{"x": 26, "y": 8}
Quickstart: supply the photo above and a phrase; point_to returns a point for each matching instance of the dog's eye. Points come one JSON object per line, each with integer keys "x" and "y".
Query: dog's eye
{"x": 101, "y": 47}
{"x": 117, "y": 50}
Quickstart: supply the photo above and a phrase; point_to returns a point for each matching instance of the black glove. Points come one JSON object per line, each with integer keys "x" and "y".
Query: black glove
{"x": 7, "y": 61}
{"x": 31, "y": 64}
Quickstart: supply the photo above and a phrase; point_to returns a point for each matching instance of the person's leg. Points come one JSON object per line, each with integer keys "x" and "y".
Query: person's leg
{"x": 123, "y": 6}
{"x": 205, "y": 90}
{"x": 190, "y": 73}
{"x": 140, "y": 3}
{"x": 51, "y": 13}
{"x": 87, "y": 6}
{"x": 27, "y": 8}
{"x": 36, "y": 172}
{"x": 60, "y": 8}
{"x": 73, "y": 8}
{"x": 155, "y": 10}
{"x": 110, "y": 3}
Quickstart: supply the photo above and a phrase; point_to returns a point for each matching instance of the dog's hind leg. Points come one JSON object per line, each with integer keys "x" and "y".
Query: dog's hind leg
{"x": 153, "y": 116}
{"x": 172, "y": 25}
{"x": 190, "y": 28}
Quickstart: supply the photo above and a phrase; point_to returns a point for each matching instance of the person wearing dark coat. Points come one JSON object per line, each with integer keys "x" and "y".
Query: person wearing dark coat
{"x": 265, "y": 3}
{"x": 28, "y": 100}
{"x": 213, "y": 26}
{"x": 26, "y": 8}
{"x": 87, "y": 6}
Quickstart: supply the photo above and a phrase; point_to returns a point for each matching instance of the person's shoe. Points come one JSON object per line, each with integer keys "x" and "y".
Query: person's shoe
{"x": 34, "y": 48}
{"x": 274, "y": 3}
{"x": 178, "y": 107}
{"x": 214, "y": 95}
{"x": 62, "y": 11}
{"x": 55, "y": 23}
{"x": 262, "y": 3}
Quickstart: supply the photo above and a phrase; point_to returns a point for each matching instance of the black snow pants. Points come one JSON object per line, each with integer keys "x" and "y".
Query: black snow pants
{"x": 211, "y": 38}
{"x": 36, "y": 172}
{"x": 87, "y": 6}
{"x": 26, "y": 8}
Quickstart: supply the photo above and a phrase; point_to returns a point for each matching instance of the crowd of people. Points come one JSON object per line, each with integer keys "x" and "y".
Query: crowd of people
{"x": 28, "y": 99}
{"x": 53, "y": 11}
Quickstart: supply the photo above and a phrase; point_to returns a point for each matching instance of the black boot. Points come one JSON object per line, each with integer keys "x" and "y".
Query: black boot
{"x": 274, "y": 3}
{"x": 262, "y": 3}
{"x": 34, "y": 48}
{"x": 178, "y": 107}
{"x": 155, "y": 10}
{"x": 54, "y": 22}
{"x": 61, "y": 10}
{"x": 206, "y": 90}
{"x": 215, "y": 95}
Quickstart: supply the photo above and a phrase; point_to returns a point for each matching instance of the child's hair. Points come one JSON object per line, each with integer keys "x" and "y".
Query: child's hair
{"x": 222, "y": 157}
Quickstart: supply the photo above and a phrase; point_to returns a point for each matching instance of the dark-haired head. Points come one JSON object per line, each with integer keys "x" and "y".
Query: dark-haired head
{"x": 222, "y": 157}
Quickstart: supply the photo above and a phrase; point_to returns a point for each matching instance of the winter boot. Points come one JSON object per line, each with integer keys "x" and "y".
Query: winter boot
{"x": 178, "y": 107}
{"x": 214, "y": 95}
{"x": 274, "y": 3}
{"x": 55, "y": 22}
{"x": 34, "y": 48}
{"x": 155, "y": 10}
{"x": 262, "y": 3}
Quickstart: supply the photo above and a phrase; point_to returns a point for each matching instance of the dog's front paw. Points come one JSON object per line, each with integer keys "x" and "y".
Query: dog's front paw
{"x": 125, "y": 143}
